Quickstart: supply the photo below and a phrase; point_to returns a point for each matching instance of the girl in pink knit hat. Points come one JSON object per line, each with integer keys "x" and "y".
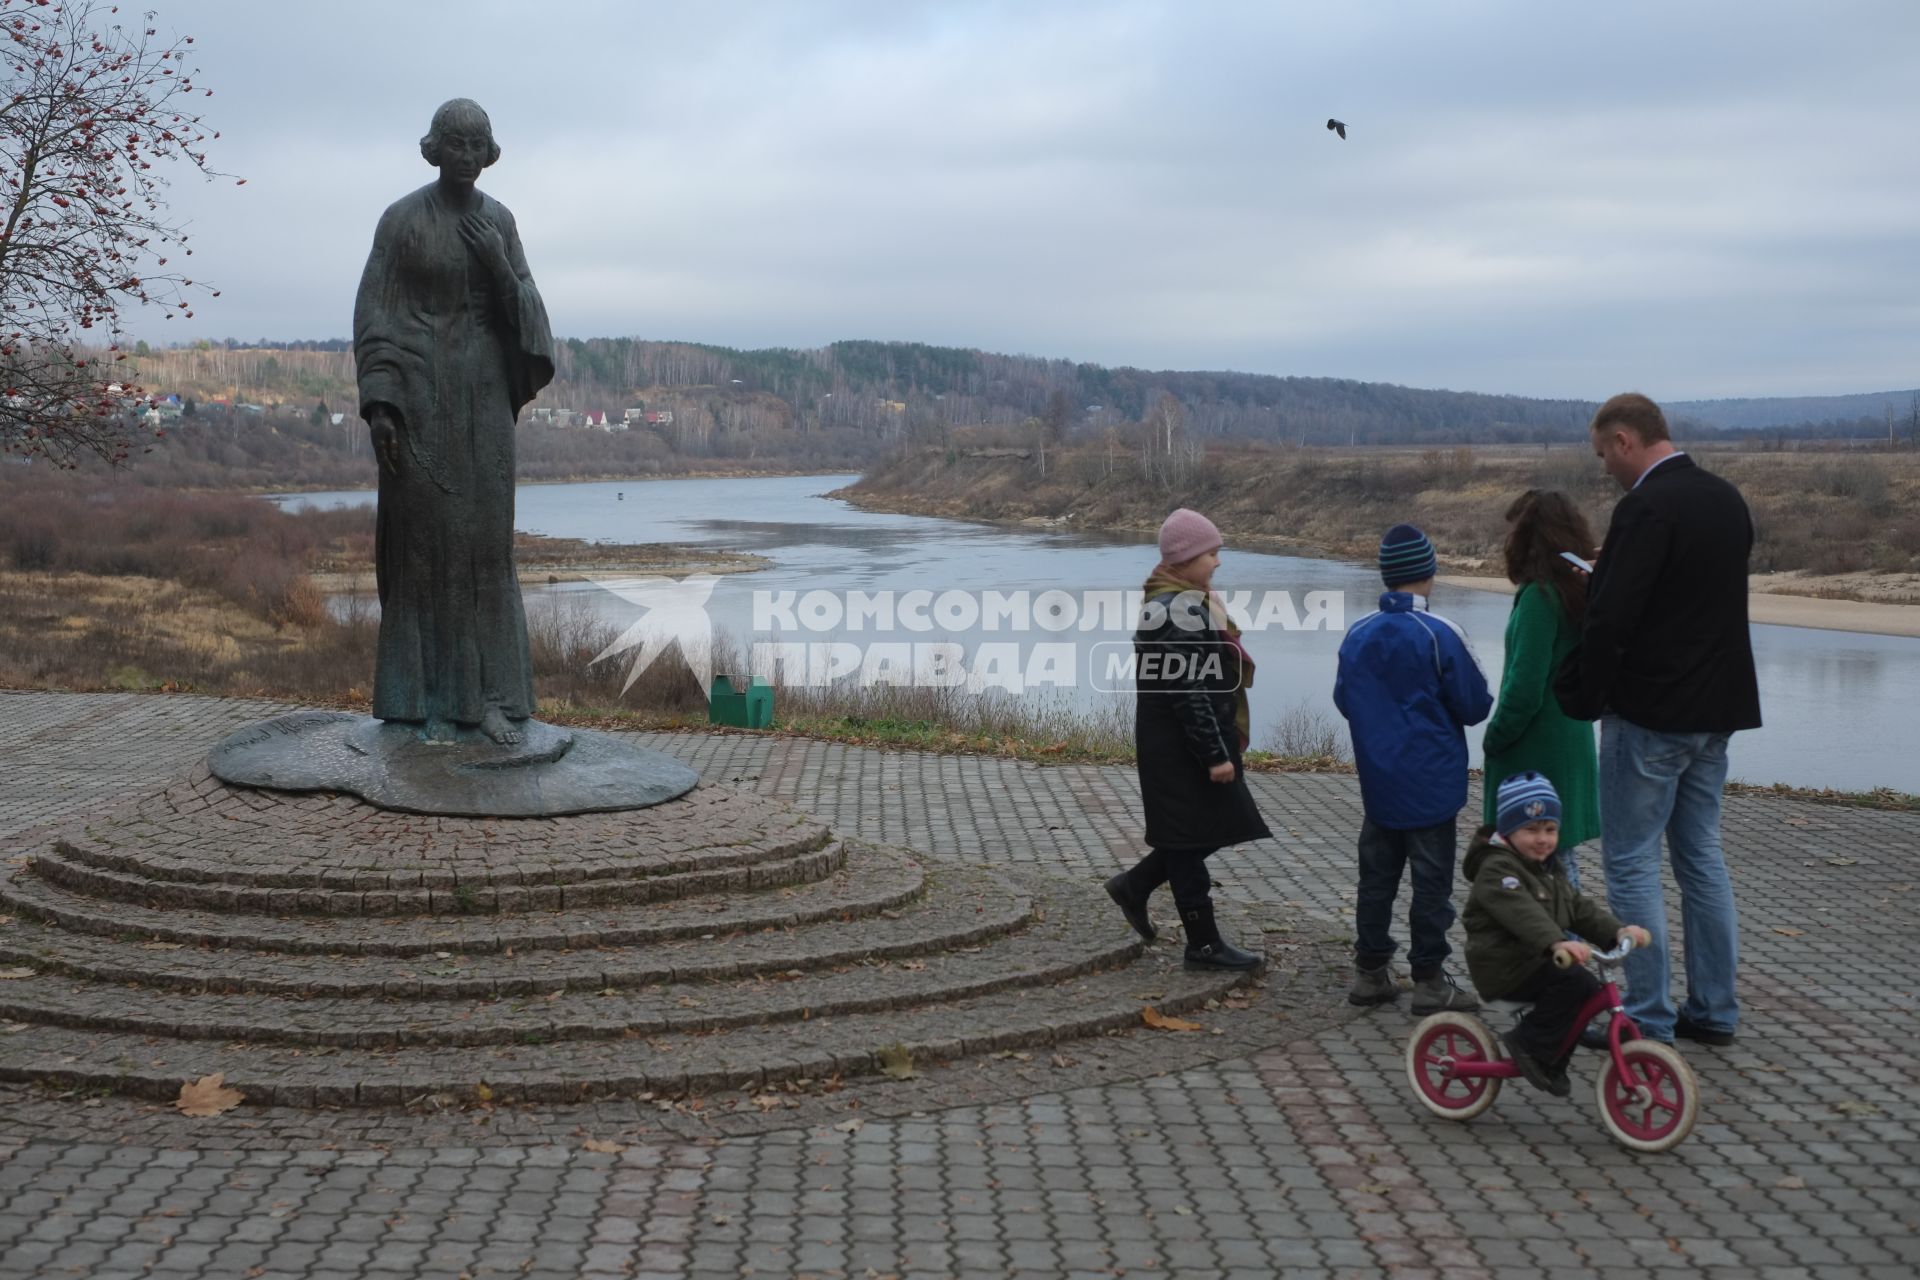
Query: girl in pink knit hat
{"x": 1190, "y": 728}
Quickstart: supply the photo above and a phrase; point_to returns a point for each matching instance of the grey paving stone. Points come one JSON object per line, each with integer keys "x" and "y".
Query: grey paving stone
{"x": 1776, "y": 1183}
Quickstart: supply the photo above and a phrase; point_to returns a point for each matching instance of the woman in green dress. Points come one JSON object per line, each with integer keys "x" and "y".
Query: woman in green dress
{"x": 1528, "y": 730}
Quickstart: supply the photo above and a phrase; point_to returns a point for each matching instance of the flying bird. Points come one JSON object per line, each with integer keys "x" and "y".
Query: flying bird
{"x": 1339, "y": 127}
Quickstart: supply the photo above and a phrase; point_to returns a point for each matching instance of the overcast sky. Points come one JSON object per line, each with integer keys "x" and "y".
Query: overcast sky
{"x": 1694, "y": 199}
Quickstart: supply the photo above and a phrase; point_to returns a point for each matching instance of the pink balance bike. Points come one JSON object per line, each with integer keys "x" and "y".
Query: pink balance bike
{"x": 1648, "y": 1096}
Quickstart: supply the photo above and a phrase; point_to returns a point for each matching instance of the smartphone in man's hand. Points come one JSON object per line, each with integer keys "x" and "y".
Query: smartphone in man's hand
{"x": 1574, "y": 560}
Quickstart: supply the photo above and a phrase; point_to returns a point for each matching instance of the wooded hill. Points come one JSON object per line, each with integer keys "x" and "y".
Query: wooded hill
{"x": 847, "y": 403}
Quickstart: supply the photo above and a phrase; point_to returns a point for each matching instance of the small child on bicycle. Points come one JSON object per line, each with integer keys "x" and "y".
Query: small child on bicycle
{"x": 1518, "y": 916}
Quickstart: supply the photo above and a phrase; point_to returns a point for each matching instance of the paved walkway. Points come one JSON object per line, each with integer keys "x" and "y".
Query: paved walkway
{"x": 1306, "y": 1159}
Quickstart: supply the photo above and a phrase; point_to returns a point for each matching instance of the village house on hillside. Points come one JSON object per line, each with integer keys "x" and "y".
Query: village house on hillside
{"x": 598, "y": 419}
{"x": 166, "y": 409}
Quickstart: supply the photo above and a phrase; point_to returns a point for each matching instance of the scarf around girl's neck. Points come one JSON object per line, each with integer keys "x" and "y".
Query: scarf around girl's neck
{"x": 1163, "y": 580}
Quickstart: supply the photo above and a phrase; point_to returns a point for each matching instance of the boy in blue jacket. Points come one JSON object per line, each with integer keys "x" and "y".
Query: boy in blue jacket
{"x": 1408, "y": 685}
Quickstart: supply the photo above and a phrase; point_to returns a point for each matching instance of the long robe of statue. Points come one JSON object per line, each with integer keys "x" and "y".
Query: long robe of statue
{"x": 456, "y": 354}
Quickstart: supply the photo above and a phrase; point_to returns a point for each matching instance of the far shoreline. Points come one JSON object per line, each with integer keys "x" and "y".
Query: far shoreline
{"x": 1776, "y": 609}
{"x": 283, "y": 491}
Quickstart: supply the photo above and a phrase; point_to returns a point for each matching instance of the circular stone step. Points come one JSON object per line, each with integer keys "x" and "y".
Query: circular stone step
{"x": 319, "y": 951}
{"x": 1061, "y": 942}
{"x": 901, "y": 912}
{"x": 203, "y": 832}
{"x": 579, "y": 1070}
{"x": 57, "y": 866}
{"x": 891, "y": 880}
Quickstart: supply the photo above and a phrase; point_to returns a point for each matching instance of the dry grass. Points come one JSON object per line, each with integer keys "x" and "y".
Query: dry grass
{"x": 245, "y": 550}
{"x": 952, "y": 720}
{"x": 1304, "y": 732}
{"x": 92, "y": 631}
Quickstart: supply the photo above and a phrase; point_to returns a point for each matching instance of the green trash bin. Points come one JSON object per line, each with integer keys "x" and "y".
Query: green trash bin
{"x": 749, "y": 708}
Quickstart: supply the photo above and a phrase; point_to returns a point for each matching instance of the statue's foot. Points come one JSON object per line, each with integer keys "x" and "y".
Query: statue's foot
{"x": 502, "y": 730}
{"x": 438, "y": 730}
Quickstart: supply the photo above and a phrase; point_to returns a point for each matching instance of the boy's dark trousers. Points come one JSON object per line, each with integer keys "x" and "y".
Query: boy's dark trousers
{"x": 1557, "y": 996}
{"x": 1384, "y": 855}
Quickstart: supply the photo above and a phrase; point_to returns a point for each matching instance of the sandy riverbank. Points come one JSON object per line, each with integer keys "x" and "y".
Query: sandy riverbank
{"x": 1779, "y": 610}
{"x": 544, "y": 561}
{"x": 539, "y": 575}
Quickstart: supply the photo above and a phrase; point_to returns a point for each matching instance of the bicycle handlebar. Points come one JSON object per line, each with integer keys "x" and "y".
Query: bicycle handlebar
{"x": 1563, "y": 960}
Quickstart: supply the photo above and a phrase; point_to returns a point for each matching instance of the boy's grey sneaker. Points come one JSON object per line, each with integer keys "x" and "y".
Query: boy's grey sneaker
{"x": 1373, "y": 986}
{"x": 1441, "y": 993}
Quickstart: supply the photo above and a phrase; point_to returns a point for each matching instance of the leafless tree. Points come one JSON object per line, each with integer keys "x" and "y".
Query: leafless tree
{"x": 1167, "y": 420}
{"x": 93, "y": 106}
{"x": 1056, "y": 417}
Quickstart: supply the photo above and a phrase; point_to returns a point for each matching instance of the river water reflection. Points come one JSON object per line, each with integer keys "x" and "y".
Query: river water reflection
{"x": 1838, "y": 705}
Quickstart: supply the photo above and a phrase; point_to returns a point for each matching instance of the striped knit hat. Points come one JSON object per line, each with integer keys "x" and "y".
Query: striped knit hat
{"x": 1406, "y": 556}
{"x": 1523, "y": 798}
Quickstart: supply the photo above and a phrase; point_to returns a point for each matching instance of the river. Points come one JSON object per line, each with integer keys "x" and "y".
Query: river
{"x": 1838, "y": 705}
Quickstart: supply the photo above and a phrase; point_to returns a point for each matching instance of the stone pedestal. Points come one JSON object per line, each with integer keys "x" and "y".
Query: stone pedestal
{"x": 551, "y": 772}
{"x": 320, "y": 951}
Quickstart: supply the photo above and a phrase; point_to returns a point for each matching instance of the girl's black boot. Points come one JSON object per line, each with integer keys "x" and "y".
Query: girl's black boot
{"x": 1206, "y": 949}
{"x": 1131, "y": 889}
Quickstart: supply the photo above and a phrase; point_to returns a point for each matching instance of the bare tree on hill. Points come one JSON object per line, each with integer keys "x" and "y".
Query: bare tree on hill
{"x": 92, "y": 107}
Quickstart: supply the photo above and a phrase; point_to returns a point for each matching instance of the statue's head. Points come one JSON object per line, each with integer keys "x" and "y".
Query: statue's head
{"x": 460, "y": 131}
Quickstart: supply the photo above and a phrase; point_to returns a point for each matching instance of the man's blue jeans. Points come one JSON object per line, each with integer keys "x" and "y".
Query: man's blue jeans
{"x": 1384, "y": 855}
{"x": 1651, "y": 783}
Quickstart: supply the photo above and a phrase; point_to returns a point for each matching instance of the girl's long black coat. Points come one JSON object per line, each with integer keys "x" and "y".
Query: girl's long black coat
{"x": 1183, "y": 724}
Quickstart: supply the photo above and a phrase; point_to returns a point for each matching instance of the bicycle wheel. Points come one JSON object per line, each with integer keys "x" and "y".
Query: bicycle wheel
{"x": 1654, "y": 1105}
{"x": 1439, "y": 1041}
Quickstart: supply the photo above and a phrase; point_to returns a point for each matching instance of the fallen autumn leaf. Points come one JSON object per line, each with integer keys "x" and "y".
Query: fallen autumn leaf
{"x": 896, "y": 1063}
{"x": 208, "y": 1096}
{"x": 1161, "y": 1022}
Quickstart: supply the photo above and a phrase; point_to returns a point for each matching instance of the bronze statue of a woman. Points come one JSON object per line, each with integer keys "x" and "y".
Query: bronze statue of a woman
{"x": 451, "y": 339}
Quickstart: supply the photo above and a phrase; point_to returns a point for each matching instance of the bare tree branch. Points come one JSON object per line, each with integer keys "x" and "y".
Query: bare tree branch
{"x": 93, "y": 105}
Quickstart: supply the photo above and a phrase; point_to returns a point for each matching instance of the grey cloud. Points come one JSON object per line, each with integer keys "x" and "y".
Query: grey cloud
{"x": 1709, "y": 199}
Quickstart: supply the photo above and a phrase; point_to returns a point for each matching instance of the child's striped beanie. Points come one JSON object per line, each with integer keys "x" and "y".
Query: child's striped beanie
{"x": 1406, "y": 556}
{"x": 1523, "y": 798}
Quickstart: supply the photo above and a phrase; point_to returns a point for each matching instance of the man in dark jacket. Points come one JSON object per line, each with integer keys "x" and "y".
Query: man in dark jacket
{"x": 1408, "y": 683}
{"x": 1666, "y": 665}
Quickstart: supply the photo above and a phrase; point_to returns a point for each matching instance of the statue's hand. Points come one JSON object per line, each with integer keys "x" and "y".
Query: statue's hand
{"x": 385, "y": 426}
{"x": 484, "y": 239}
